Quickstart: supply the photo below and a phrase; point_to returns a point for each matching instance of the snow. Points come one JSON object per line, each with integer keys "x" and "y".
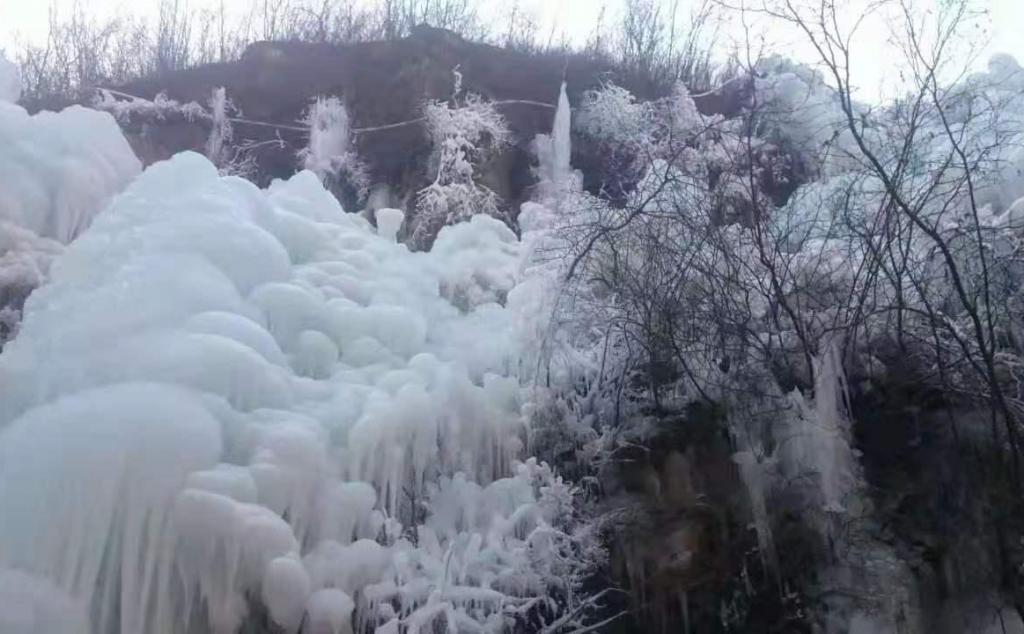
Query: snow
{"x": 124, "y": 107}
{"x": 220, "y": 128}
{"x": 261, "y": 395}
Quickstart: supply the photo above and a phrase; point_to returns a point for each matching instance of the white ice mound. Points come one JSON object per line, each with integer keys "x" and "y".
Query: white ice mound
{"x": 227, "y": 394}
{"x": 59, "y": 169}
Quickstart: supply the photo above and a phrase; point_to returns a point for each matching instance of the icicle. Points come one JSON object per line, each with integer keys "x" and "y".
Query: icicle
{"x": 220, "y": 131}
{"x": 561, "y": 140}
{"x": 178, "y": 435}
{"x": 752, "y": 473}
{"x": 833, "y": 455}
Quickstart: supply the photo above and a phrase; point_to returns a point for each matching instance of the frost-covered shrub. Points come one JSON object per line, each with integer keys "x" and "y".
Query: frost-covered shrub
{"x": 161, "y": 107}
{"x": 463, "y": 135}
{"x": 628, "y": 136}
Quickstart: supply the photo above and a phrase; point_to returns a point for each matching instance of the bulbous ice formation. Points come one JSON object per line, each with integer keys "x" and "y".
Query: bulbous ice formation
{"x": 227, "y": 393}
{"x": 59, "y": 169}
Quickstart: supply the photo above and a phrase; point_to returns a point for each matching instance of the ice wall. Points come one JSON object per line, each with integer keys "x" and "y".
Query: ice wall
{"x": 225, "y": 393}
{"x": 59, "y": 169}
{"x": 554, "y": 152}
{"x": 561, "y": 140}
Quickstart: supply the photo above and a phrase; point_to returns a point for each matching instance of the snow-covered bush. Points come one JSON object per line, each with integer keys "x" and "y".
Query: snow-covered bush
{"x": 464, "y": 134}
{"x": 720, "y": 272}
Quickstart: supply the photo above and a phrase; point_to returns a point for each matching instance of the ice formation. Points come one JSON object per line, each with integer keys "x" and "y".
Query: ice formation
{"x": 329, "y": 153}
{"x": 561, "y": 142}
{"x": 25, "y": 260}
{"x": 10, "y": 80}
{"x": 57, "y": 171}
{"x": 220, "y": 127}
{"x": 226, "y": 393}
{"x": 554, "y": 152}
{"x": 29, "y": 605}
{"x": 389, "y": 222}
{"x": 328, "y": 135}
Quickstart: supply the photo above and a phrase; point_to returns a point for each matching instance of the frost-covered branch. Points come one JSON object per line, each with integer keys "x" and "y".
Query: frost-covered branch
{"x": 464, "y": 135}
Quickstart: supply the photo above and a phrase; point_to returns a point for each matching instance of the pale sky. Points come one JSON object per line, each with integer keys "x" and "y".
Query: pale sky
{"x": 26, "y": 20}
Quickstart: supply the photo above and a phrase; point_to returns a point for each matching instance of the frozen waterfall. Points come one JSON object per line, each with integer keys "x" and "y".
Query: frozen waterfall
{"x": 226, "y": 393}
